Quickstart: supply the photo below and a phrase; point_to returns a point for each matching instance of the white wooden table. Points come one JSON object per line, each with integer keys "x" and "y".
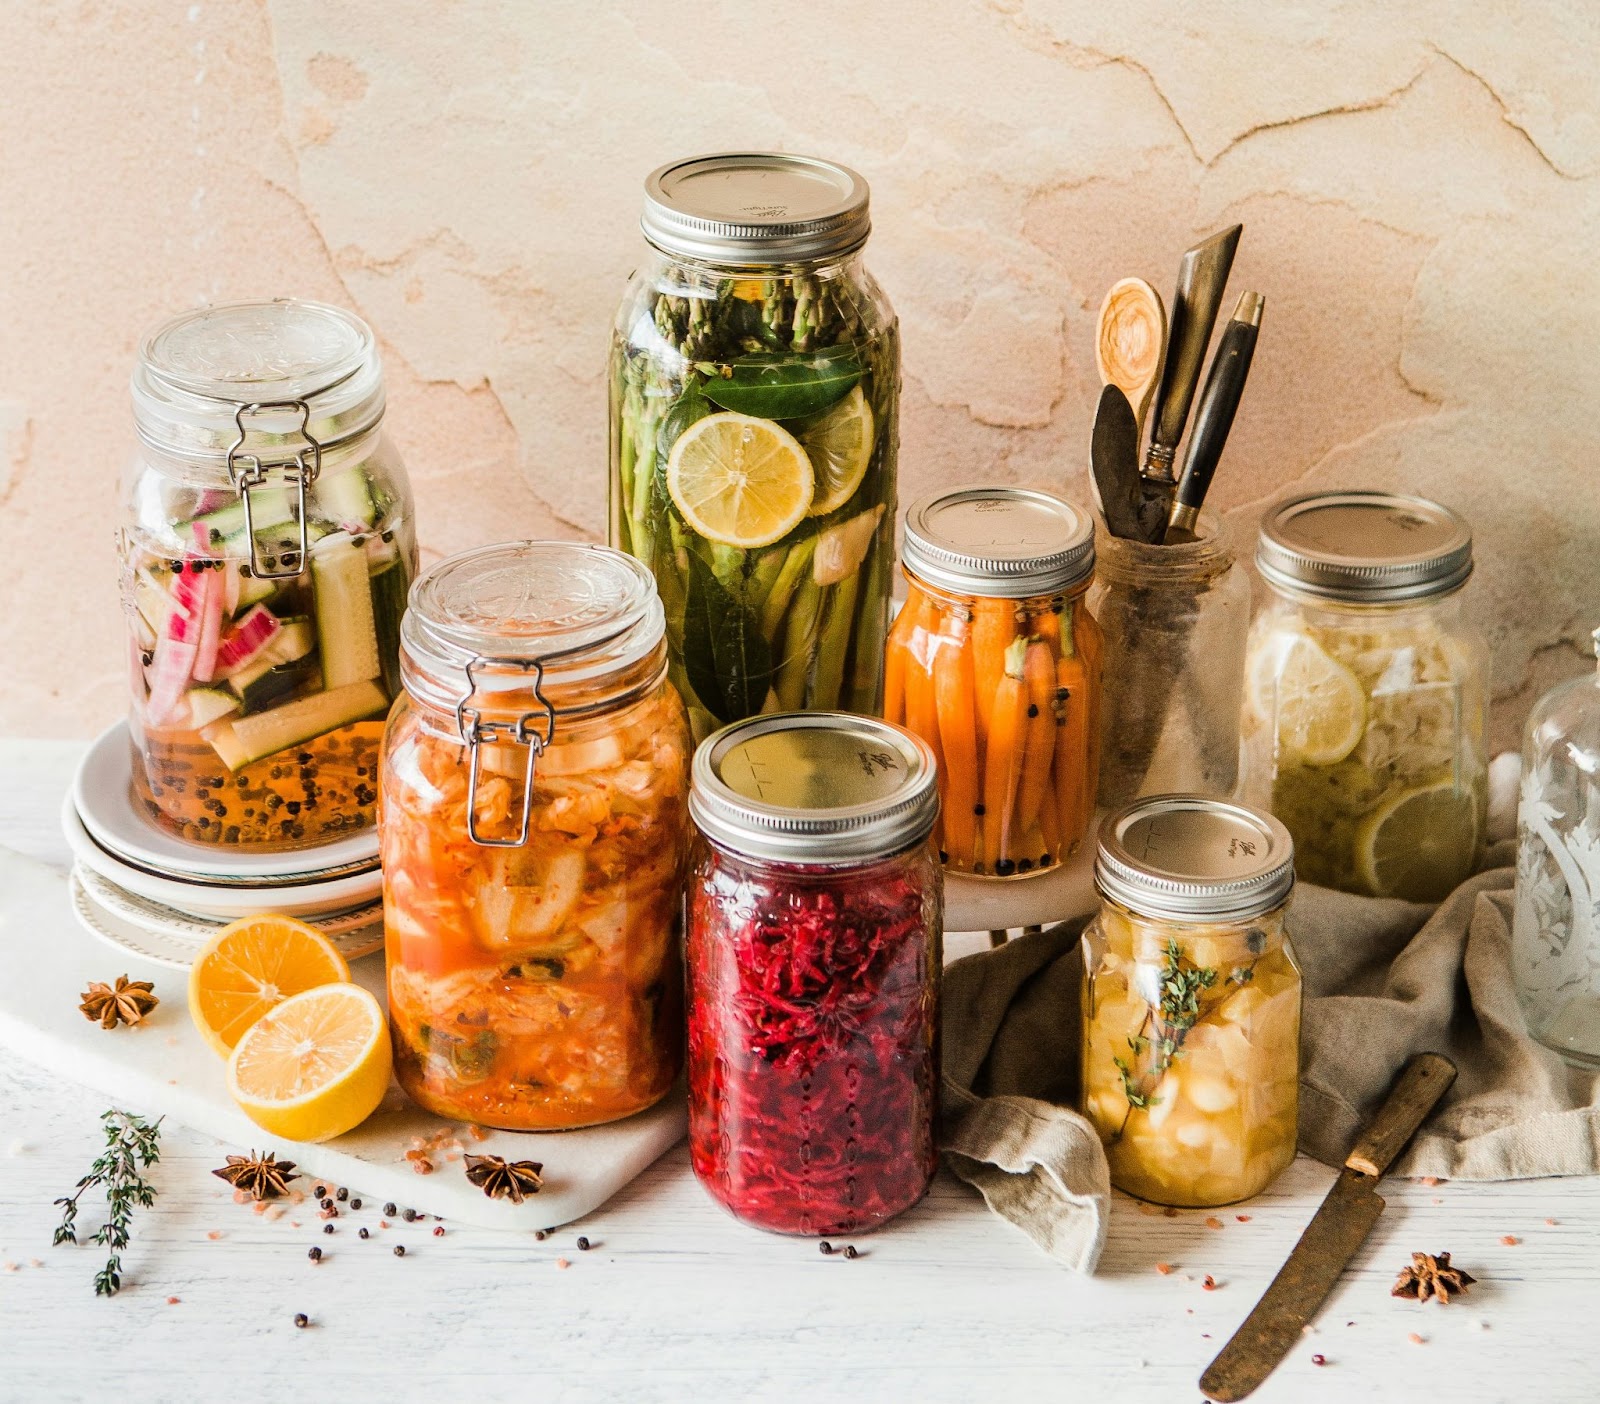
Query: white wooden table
{"x": 676, "y": 1301}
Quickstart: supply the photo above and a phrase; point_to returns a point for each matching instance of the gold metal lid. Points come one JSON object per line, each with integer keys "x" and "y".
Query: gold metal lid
{"x": 1194, "y": 858}
{"x": 1364, "y": 547}
{"x": 756, "y": 208}
{"x": 814, "y": 787}
{"x": 1003, "y": 542}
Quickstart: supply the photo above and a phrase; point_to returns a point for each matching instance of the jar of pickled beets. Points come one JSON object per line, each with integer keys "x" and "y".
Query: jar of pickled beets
{"x": 1191, "y": 1025}
{"x": 814, "y": 952}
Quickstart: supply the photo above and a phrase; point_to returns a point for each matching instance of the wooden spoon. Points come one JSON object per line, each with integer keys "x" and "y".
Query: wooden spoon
{"x": 1130, "y": 340}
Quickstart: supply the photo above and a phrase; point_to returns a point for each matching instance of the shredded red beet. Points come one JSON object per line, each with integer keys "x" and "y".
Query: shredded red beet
{"x": 813, "y": 1052}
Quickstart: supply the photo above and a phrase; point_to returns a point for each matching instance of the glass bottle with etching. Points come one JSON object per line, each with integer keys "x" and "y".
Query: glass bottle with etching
{"x": 1555, "y": 937}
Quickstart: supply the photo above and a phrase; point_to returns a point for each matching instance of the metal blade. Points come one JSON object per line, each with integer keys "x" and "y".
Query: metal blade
{"x": 1303, "y": 1283}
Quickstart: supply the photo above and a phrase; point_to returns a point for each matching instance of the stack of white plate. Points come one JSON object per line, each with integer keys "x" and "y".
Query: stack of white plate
{"x": 162, "y": 897}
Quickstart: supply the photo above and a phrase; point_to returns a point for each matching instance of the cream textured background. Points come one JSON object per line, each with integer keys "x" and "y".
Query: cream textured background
{"x": 1419, "y": 184}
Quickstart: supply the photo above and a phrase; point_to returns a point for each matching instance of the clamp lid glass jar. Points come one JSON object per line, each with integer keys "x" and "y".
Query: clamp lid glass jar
{"x": 815, "y": 921}
{"x": 533, "y": 833}
{"x": 994, "y": 660}
{"x": 1365, "y": 710}
{"x": 1191, "y": 1020}
{"x": 755, "y": 369}
{"x": 267, "y": 549}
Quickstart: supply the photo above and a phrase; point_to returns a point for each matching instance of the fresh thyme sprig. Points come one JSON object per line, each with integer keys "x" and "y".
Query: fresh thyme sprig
{"x": 1177, "y": 1011}
{"x": 132, "y": 1145}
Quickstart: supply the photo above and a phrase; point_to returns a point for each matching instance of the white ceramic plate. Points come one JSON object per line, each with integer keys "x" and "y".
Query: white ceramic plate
{"x": 214, "y": 902}
{"x": 168, "y": 937}
{"x": 102, "y": 790}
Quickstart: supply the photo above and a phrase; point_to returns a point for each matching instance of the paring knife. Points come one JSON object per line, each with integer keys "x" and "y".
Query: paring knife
{"x": 1331, "y": 1238}
{"x": 1114, "y": 459}
{"x": 1202, "y": 278}
{"x": 1219, "y": 401}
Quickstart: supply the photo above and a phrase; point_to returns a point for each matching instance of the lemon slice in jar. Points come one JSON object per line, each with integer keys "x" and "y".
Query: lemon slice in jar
{"x": 1420, "y": 844}
{"x": 1321, "y": 708}
{"x": 740, "y": 481}
{"x": 314, "y": 1067}
{"x": 839, "y": 444}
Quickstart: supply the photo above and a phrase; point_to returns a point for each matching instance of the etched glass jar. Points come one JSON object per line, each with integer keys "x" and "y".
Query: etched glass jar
{"x": 1555, "y": 937}
{"x": 1175, "y": 620}
{"x": 994, "y": 661}
{"x": 534, "y": 829}
{"x": 755, "y": 381}
{"x": 267, "y": 547}
{"x": 1366, "y": 698}
{"x": 1191, "y": 1027}
{"x": 815, "y": 928}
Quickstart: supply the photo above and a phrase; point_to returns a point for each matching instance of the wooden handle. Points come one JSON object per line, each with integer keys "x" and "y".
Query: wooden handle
{"x": 1426, "y": 1078}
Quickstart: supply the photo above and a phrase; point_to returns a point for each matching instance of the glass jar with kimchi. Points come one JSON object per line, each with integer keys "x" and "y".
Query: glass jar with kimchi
{"x": 815, "y": 927}
{"x": 994, "y": 661}
{"x": 266, "y": 552}
{"x": 1191, "y": 1026}
{"x": 533, "y": 831}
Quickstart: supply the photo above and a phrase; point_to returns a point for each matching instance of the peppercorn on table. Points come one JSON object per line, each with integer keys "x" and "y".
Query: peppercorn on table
{"x": 673, "y": 1299}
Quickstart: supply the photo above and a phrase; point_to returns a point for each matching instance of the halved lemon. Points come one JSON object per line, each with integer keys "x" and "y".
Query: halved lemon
{"x": 1320, "y": 707}
{"x": 314, "y": 1067}
{"x": 251, "y": 966}
{"x": 1421, "y": 844}
{"x": 740, "y": 481}
{"x": 839, "y": 444}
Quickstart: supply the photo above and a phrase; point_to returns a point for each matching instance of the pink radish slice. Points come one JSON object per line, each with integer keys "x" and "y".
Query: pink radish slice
{"x": 205, "y": 663}
{"x": 210, "y": 500}
{"x": 169, "y": 676}
{"x": 246, "y": 640}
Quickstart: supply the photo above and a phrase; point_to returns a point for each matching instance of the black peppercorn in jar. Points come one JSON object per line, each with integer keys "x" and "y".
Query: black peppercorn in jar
{"x": 267, "y": 550}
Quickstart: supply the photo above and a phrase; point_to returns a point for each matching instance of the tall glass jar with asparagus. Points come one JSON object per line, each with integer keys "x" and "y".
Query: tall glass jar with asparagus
{"x": 755, "y": 372}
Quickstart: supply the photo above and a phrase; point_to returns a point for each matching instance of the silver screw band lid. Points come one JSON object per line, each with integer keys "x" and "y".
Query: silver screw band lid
{"x": 814, "y": 787}
{"x": 1005, "y": 542}
{"x": 756, "y": 208}
{"x": 1193, "y": 858}
{"x": 1364, "y": 547}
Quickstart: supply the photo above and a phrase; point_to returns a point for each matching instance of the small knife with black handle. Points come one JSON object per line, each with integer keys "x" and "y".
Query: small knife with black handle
{"x": 1331, "y": 1239}
{"x": 1202, "y": 278}
{"x": 1214, "y": 418}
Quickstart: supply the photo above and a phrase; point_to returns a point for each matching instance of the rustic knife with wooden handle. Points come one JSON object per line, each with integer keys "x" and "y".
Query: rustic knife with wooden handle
{"x": 1332, "y": 1237}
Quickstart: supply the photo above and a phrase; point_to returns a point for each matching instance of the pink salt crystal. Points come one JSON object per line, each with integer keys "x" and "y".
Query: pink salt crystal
{"x": 1415, "y": 1339}
{"x": 173, "y": 1301}
{"x": 562, "y": 1263}
{"x": 214, "y": 1235}
{"x": 1510, "y": 1240}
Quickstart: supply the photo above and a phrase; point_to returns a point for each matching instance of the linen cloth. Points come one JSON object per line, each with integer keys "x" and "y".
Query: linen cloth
{"x": 1383, "y": 980}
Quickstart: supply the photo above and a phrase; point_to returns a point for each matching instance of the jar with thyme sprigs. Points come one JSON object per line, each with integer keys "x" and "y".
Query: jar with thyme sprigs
{"x": 1191, "y": 1020}
{"x": 755, "y": 370}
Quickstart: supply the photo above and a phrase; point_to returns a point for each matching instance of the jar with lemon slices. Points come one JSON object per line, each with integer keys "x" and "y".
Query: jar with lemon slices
{"x": 755, "y": 370}
{"x": 1366, "y": 694}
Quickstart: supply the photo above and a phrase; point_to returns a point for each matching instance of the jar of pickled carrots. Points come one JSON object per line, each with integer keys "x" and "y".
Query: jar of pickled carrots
{"x": 1366, "y": 694}
{"x": 1191, "y": 1027}
{"x": 533, "y": 833}
{"x": 267, "y": 549}
{"x": 814, "y": 957}
{"x": 994, "y": 661}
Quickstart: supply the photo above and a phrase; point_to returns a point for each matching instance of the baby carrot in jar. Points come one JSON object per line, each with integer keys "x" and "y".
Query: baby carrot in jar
{"x": 995, "y": 662}
{"x": 533, "y": 827}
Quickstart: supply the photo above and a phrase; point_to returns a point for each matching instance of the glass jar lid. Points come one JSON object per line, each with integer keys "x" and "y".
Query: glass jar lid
{"x": 758, "y": 207}
{"x": 521, "y": 623}
{"x": 814, "y": 787}
{"x": 1364, "y": 547}
{"x": 1193, "y": 858}
{"x": 307, "y": 370}
{"x": 1006, "y": 542}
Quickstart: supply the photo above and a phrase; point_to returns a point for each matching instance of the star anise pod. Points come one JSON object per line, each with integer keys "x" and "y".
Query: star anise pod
{"x": 259, "y": 1176}
{"x": 505, "y": 1179}
{"x": 128, "y": 1003}
{"x": 1431, "y": 1275}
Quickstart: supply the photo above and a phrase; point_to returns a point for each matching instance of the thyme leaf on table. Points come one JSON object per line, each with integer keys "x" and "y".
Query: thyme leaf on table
{"x": 132, "y": 1146}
